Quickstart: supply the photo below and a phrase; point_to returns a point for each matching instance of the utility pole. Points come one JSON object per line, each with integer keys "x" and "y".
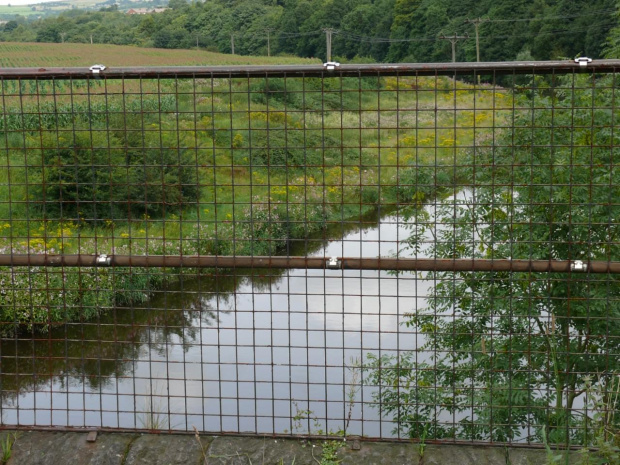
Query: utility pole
{"x": 62, "y": 36}
{"x": 328, "y": 37}
{"x": 453, "y": 40}
{"x": 197, "y": 43}
{"x": 232, "y": 43}
{"x": 91, "y": 39}
{"x": 477, "y": 22}
{"x": 268, "y": 30}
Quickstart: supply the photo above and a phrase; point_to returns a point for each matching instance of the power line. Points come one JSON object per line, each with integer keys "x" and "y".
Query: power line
{"x": 477, "y": 22}
{"x": 431, "y": 38}
{"x": 453, "y": 39}
{"x": 554, "y": 32}
{"x": 298, "y": 34}
{"x": 539, "y": 18}
{"x": 360, "y": 38}
{"x": 268, "y": 31}
{"x": 328, "y": 38}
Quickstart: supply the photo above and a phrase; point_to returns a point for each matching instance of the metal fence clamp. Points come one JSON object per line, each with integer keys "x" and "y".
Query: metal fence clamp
{"x": 103, "y": 260}
{"x": 331, "y": 65}
{"x": 579, "y": 265}
{"x": 583, "y": 61}
{"x": 333, "y": 263}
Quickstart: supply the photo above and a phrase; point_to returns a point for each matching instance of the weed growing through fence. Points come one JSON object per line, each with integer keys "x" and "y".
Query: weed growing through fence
{"x": 6, "y": 444}
{"x": 552, "y": 458}
{"x": 422, "y": 443}
{"x": 202, "y": 447}
{"x": 329, "y": 452}
{"x": 153, "y": 416}
{"x": 153, "y": 420}
{"x": 329, "y": 447}
{"x": 353, "y": 387}
{"x": 601, "y": 428}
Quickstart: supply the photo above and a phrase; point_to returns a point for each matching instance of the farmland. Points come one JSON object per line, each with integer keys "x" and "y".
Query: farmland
{"x": 15, "y": 55}
{"x": 10, "y": 9}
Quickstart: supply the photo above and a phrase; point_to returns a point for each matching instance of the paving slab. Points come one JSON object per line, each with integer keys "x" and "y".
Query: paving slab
{"x": 517, "y": 456}
{"x": 51, "y": 448}
{"x": 232, "y": 450}
{"x": 377, "y": 453}
{"x": 166, "y": 449}
{"x": 461, "y": 455}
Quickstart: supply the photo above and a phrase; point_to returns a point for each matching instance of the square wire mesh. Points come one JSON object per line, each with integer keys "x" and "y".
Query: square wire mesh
{"x": 462, "y": 169}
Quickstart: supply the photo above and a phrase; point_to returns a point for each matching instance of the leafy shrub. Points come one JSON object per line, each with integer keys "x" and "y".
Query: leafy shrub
{"x": 52, "y": 115}
{"x": 313, "y": 93}
{"x": 94, "y": 176}
{"x": 541, "y": 193}
{"x": 299, "y": 148}
{"x": 419, "y": 183}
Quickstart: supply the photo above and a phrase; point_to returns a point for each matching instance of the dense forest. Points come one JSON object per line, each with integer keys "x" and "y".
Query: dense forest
{"x": 364, "y": 30}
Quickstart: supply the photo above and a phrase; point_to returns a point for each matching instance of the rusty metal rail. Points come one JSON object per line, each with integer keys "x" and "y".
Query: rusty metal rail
{"x": 316, "y": 263}
{"x": 343, "y": 70}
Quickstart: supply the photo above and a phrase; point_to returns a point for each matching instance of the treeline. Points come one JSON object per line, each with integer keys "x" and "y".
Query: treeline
{"x": 373, "y": 30}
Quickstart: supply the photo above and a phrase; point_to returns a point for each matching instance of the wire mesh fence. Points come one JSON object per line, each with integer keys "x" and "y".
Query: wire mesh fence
{"x": 421, "y": 251}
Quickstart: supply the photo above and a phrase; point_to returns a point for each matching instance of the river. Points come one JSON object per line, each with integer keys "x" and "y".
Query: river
{"x": 257, "y": 351}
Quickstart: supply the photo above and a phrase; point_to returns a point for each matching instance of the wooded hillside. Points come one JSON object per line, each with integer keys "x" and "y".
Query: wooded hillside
{"x": 371, "y": 30}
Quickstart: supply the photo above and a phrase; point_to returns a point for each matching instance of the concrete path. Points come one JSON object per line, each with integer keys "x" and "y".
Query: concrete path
{"x": 62, "y": 448}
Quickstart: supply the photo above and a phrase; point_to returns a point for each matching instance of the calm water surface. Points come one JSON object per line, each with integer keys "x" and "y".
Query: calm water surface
{"x": 247, "y": 352}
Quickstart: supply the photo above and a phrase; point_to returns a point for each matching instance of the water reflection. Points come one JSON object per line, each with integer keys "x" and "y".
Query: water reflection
{"x": 239, "y": 351}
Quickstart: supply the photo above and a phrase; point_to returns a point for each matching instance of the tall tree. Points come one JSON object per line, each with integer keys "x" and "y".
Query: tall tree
{"x": 406, "y": 17}
{"x": 511, "y": 354}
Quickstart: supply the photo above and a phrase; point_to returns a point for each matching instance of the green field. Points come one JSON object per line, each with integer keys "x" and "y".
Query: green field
{"x": 17, "y": 10}
{"x": 17, "y": 54}
{"x": 43, "y": 9}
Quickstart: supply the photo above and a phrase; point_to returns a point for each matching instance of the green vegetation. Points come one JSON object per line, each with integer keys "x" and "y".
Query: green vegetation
{"x": 193, "y": 170}
{"x": 376, "y": 30}
{"x": 6, "y": 446}
{"x": 12, "y": 11}
{"x": 329, "y": 452}
{"x": 14, "y": 54}
{"x": 46, "y": 8}
{"x": 329, "y": 447}
{"x": 152, "y": 417}
{"x": 515, "y": 352}
{"x": 229, "y": 166}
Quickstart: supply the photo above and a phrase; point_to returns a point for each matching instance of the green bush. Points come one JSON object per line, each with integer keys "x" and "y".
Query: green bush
{"x": 95, "y": 176}
{"x": 543, "y": 192}
{"x": 294, "y": 147}
{"x": 52, "y": 115}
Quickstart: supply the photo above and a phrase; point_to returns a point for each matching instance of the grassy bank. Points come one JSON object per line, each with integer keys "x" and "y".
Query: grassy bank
{"x": 209, "y": 167}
